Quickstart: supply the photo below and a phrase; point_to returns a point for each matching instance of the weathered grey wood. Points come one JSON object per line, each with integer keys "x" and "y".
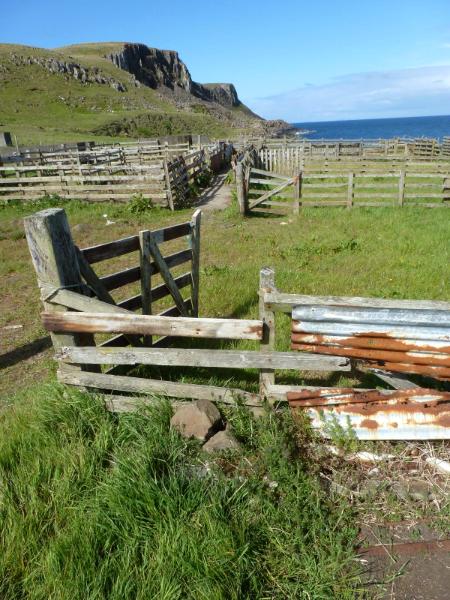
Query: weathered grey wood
{"x": 271, "y": 173}
{"x": 297, "y": 193}
{"x": 350, "y": 190}
{"x": 93, "y": 281}
{"x": 187, "y": 357}
{"x": 123, "y": 404}
{"x": 76, "y": 301}
{"x": 146, "y": 278}
{"x": 165, "y": 234}
{"x": 101, "y": 252}
{"x": 121, "y": 278}
{"x": 266, "y": 285}
{"x": 166, "y": 274}
{"x": 397, "y": 380}
{"x": 270, "y": 193}
{"x": 281, "y": 302}
{"x": 236, "y": 329}
{"x": 240, "y": 189}
{"x": 195, "y": 247}
{"x": 121, "y": 383}
{"x": 170, "y": 199}
{"x": 55, "y": 261}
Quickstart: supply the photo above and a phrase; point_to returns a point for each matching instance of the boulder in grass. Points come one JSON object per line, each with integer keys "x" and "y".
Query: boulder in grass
{"x": 198, "y": 420}
{"x": 222, "y": 440}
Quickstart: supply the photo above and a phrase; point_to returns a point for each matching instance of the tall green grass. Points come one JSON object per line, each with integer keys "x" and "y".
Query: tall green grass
{"x": 94, "y": 505}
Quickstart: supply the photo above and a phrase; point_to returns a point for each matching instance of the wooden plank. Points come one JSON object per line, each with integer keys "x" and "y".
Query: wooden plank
{"x": 281, "y": 302}
{"x": 267, "y": 195}
{"x": 166, "y": 274}
{"x": 188, "y": 357}
{"x": 195, "y": 247}
{"x": 163, "y": 388}
{"x": 121, "y": 278}
{"x": 236, "y": 329}
{"x": 146, "y": 277}
{"x": 165, "y": 234}
{"x": 100, "y": 252}
{"x": 270, "y": 174}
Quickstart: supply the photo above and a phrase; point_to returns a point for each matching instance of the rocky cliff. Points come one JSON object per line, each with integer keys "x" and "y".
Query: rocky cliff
{"x": 163, "y": 68}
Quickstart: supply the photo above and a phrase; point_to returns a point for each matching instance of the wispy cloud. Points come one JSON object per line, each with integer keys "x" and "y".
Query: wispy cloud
{"x": 418, "y": 91}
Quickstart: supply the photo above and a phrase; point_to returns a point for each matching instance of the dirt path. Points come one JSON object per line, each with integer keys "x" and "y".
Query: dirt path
{"x": 216, "y": 197}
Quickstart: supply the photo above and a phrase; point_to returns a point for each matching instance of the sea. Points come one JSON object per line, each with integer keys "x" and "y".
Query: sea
{"x": 404, "y": 127}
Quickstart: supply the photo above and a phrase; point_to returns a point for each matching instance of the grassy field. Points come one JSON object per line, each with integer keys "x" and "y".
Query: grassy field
{"x": 41, "y": 107}
{"x": 97, "y": 506}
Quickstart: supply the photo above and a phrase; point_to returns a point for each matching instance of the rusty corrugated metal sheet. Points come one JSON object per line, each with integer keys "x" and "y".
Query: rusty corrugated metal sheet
{"x": 403, "y": 340}
{"x": 379, "y": 414}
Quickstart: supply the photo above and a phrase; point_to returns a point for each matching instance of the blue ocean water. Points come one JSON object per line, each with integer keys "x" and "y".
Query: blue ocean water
{"x": 409, "y": 127}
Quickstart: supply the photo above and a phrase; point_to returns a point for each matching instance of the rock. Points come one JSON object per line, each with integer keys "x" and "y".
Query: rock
{"x": 223, "y": 440}
{"x": 419, "y": 490}
{"x": 198, "y": 419}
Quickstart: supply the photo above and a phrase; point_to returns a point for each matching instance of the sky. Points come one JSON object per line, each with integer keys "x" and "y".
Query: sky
{"x": 296, "y": 60}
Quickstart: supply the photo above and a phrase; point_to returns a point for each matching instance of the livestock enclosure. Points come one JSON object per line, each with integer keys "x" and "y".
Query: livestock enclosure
{"x": 262, "y": 175}
{"x": 163, "y": 175}
{"x": 80, "y": 311}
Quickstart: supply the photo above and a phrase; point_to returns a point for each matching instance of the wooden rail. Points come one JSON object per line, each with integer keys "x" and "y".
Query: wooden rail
{"x": 112, "y": 174}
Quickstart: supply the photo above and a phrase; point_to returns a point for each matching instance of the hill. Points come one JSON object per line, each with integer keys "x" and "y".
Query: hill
{"x": 113, "y": 90}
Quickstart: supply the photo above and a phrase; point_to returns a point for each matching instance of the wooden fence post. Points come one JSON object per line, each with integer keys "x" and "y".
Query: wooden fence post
{"x": 401, "y": 188}
{"x": 350, "y": 190}
{"x": 146, "y": 277}
{"x": 297, "y": 193}
{"x": 195, "y": 247}
{"x": 266, "y": 284}
{"x": 55, "y": 261}
{"x": 168, "y": 185}
{"x": 240, "y": 188}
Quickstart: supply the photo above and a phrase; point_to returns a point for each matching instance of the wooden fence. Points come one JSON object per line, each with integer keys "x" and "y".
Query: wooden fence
{"x": 270, "y": 190}
{"x": 68, "y": 282}
{"x": 291, "y": 160}
{"x": 164, "y": 182}
{"x": 423, "y": 148}
{"x": 78, "y": 308}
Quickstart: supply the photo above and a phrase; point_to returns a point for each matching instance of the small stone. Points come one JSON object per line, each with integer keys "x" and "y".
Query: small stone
{"x": 223, "y": 440}
{"x": 419, "y": 490}
{"x": 198, "y": 419}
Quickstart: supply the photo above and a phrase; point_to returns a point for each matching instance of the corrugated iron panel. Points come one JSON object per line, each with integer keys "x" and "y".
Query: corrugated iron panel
{"x": 404, "y": 340}
{"x": 378, "y": 414}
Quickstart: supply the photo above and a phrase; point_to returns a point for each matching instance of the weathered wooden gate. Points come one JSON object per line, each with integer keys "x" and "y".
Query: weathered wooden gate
{"x": 267, "y": 190}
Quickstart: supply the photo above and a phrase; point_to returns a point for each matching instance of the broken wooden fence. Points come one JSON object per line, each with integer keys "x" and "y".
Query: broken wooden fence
{"x": 78, "y": 305}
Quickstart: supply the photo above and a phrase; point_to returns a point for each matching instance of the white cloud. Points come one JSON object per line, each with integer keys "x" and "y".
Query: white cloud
{"x": 406, "y": 92}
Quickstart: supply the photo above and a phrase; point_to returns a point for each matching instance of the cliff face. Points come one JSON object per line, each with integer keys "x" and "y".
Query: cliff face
{"x": 155, "y": 68}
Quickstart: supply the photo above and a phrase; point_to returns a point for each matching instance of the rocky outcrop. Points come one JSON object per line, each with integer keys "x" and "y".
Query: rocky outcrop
{"x": 84, "y": 75}
{"x": 153, "y": 67}
{"x": 163, "y": 68}
{"x": 222, "y": 93}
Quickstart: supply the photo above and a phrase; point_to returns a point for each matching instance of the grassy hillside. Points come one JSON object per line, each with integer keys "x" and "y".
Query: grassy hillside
{"x": 39, "y": 106}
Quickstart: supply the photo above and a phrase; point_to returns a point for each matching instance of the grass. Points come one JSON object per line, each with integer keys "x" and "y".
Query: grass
{"x": 99, "y": 506}
{"x": 40, "y": 107}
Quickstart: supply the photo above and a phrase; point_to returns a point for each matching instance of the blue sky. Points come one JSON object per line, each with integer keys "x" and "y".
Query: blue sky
{"x": 298, "y": 60}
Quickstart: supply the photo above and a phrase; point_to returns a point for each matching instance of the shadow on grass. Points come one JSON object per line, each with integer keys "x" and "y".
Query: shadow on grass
{"x": 23, "y": 352}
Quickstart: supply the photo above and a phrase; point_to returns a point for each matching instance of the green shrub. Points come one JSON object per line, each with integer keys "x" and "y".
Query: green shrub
{"x": 139, "y": 204}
